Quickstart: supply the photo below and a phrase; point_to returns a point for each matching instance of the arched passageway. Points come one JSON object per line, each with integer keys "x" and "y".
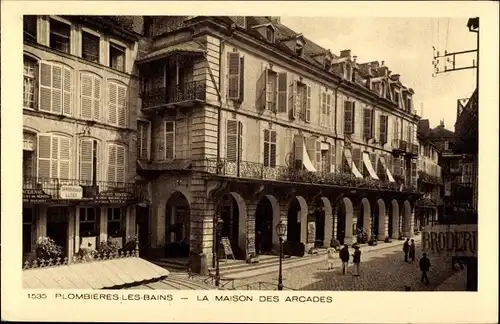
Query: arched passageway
{"x": 266, "y": 218}
{"x": 297, "y": 221}
{"x": 177, "y": 226}
{"x": 381, "y": 221}
{"x": 363, "y": 224}
{"x": 344, "y": 226}
{"x": 233, "y": 212}
{"x": 407, "y": 219}
{"x": 324, "y": 222}
{"x": 393, "y": 226}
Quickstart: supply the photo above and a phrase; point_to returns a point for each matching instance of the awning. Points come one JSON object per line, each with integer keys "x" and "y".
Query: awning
{"x": 354, "y": 169}
{"x": 387, "y": 171}
{"x": 306, "y": 161}
{"x": 94, "y": 275}
{"x": 187, "y": 48}
{"x": 174, "y": 283}
{"x": 369, "y": 166}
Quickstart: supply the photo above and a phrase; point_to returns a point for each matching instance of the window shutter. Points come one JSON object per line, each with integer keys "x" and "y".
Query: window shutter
{"x": 64, "y": 158}
{"x": 357, "y": 160}
{"x": 233, "y": 59}
{"x": 120, "y": 163}
{"x": 272, "y": 149}
{"x": 353, "y": 125}
{"x": 97, "y": 156}
{"x": 45, "y": 88}
{"x": 298, "y": 141}
{"x": 240, "y": 141}
{"x": 408, "y": 134}
{"x": 372, "y": 122}
{"x": 308, "y": 104}
{"x": 333, "y": 160}
{"x": 328, "y": 109}
{"x": 122, "y": 106}
{"x": 112, "y": 159}
{"x": 266, "y": 147}
{"x": 242, "y": 78}
{"x": 414, "y": 173}
{"x": 86, "y": 159}
{"x": 261, "y": 87}
{"x": 383, "y": 129}
{"x": 97, "y": 99}
{"x": 373, "y": 158}
{"x": 282, "y": 92}
{"x": 311, "y": 149}
{"x": 54, "y": 161}
{"x": 57, "y": 79}
{"x": 348, "y": 117}
{"x": 169, "y": 139}
{"x": 44, "y": 156}
{"x": 292, "y": 102}
{"x": 113, "y": 94}
{"x": 396, "y": 166}
{"x": 367, "y": 125}
{"x": 67, "y": 90}
{"x": 86, "y": 96}
{"x": 232, "y": 140}
{"x": 319, "y": 162}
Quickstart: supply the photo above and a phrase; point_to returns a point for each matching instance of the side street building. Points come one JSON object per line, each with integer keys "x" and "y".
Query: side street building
{"x": 240, "y": 118}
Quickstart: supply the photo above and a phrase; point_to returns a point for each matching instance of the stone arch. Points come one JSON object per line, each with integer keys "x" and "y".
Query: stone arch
{"x": 407, "y": 219}
{"x": 264, "y": 224}
{"x": 364, "y": 217}
{"x": 177, "y": 224}
{"x": 329, "y": 221}
{"x": 344, "y": 214}
{"x": 394, "y": 227}
{"x": 382, "y": 220}
{"x": 241, "y": 221}
{"x": 299, "y": 206}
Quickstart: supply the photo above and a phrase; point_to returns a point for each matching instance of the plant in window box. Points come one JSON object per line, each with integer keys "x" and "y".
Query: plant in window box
{"x": 47, "y": 249}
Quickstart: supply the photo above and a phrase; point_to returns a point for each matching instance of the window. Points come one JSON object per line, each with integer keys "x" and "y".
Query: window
{"x": 325, "y": 109}
{"x": 270, "y": 148}
{"x": 27, "y": 230}
{"x": 88, "y": 221}
{"x": 55, "y": 88}
{"x": 304, "y": 101}
{"x": 29, "y": 28}
{"x": 116, "y": 163}
{"x": 409, "y": 130}
{"x": 235, "y": 89}
{"x": 89, "y": 160}
{"x": 270, "y": 34}
{"x": 115, "y": 221}
{"x": 299, "y": 48}
{"x": 90, "y": 96}
{"x": 395, "y": 126}
{"x": 349, "y": 117}
{"x": 29, "y": 82}
{"x": 169, "y": 139}
{"x": 142, "y": 140}
{"x": 383, "y": 129}
{"x": 60, "y": 35}
{"x": 54, "y": 156}
{"x": 327, "y": 62}
{"x": 396, "y": 98}
{"x": 409, "y": 107}
{"x": 368, "y": 123}
{"x": 271, "y": 90}
{"x": 117, "y": 57}
{"x": 234, "y": 140}
{"x": 348, "y": 72}
{"x": 117, "y": 115}
{"x": 90, "y": 47}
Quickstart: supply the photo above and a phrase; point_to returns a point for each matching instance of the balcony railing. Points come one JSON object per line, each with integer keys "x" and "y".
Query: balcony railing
{"x": 399, "y": 146}
{"x": 50, "y": 189}
{"x": 176, "y": 94}
{"x": 258, "y": 171}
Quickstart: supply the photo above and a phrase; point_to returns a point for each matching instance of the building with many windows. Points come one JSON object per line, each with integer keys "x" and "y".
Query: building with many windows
{"x": 244, "y": 119}
{"x": 79, "y": 130}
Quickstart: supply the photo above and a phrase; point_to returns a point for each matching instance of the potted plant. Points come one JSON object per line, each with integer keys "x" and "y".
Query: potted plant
{"x": 47, "y": 249}
{"x": 108, "y": 248}
{"x": 387, "y": 239}
{"x": 372, "y": 241}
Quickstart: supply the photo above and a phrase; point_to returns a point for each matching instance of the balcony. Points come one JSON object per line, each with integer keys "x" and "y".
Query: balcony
{"x": 412, "y": 150}
{"x": 181, "y": 95}
{"x": 399, "y": 146}
{"x": 44, "y": 190}
{"x": 257, "y": 171}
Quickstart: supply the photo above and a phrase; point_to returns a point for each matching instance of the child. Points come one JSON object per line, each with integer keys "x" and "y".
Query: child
{"x": 356, "y": 260}
{"x": 330, "y": 256}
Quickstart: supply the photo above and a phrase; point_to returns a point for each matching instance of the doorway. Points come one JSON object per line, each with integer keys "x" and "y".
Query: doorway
{"x": 293, "y": 223}
{"x": 341, "y": 220}
{"x": 142, "y": 222}
{"x": 57, "y": 227}
{"x": 320, "y": 227}
{"x": 390, "y": 224}
{"x": 264, "y": 226}
{"x": 230, "y": 215}
{"x": 177, "y": 226}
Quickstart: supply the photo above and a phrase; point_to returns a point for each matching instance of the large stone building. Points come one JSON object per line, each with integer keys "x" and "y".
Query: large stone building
{"x": 255, "y": 123}
{"x": 79, "y": 122}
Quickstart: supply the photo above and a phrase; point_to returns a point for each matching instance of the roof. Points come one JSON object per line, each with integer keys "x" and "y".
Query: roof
{"x": 175, "y": 164}
{"x": 188, "y": 47}
{"x": 173, "y": 283}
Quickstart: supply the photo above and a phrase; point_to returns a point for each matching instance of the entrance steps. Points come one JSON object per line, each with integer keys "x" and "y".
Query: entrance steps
{"x": 172, "y": 264}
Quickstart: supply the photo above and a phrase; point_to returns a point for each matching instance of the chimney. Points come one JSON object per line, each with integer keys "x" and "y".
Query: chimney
{"x": 354, "y": 58}
{"x": 395, "y": 77}
{"x": 441, "y": 123}
{"x": 345, "y": 53}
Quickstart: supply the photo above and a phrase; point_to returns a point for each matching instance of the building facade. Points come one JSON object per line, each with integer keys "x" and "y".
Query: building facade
{"x": 79, "y": 130}
{"x": 244, "y": 119}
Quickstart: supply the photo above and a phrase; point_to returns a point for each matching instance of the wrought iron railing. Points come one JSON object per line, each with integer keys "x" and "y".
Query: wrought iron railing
{"x": 188, "y": 91}
{"x": 399, "y": 145}
{"x": 231, "y": 284}
{"x": 54, "y": 188}
{"x": 259, "y": 171}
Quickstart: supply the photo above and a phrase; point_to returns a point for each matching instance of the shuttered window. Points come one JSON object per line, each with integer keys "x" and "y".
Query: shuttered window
{"x": 349, "y": 117}
{"x": 89, "y": 160}
{"x": 142, "y": 140}
{"x": 234, "y": 77}
{"x": 293, "y": 106}
{"x": 357, "y": 159}
{"x": 271, "y": 91}
{"x": 116, "y": 163}
{"x": 54, "y": 156}
{"x": 368, "y": 123}
{"x": 29, "y": 82}
{"x": 169, "y": 139}
{"x": 409, "y": 136}
{"x": 282, "y": 93}
{"x": 90, "y": 46}
{"x": 307, "y": 103}
{"x": 117, "y": 114}
{"x": 333, "y": 160}
{"x": 90, "y": 96}
{"x": 383, "y": 129}
{"x": 55, "y": 88}
{"x": 234, "y": 140}
{"x": 414, "y": 173}
{"x": 270, "y": 148}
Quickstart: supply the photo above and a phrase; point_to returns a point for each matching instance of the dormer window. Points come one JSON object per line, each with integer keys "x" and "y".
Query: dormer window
{"x": 270, "y": 34}
{"x": 396, "y": 98}
{"x": 348, "y": 72}
{"x": 299, "y": 48}
{"x": 408, "y": 104}
{"x": 240, "y": 21}
{"x": 382, "y": 89}
{"x": 328, "y": 62}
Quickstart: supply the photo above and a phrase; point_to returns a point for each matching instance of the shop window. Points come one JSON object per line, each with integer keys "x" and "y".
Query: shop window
{"x": 60, "y": 35}
{"x": 117, "y": 57}
{"x": 90, "y": 47}
{"x": 27, "y": 230}
{"x": 115, "y": 221}
{"x": 88, "y": 221}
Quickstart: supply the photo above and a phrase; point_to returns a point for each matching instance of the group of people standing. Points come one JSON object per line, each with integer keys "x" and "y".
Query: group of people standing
{"x": 424, "y": 264}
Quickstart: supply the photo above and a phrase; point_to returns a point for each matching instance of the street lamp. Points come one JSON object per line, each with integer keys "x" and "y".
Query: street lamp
{"x": 218, "y": 230}
{"x": 281, "y": 231}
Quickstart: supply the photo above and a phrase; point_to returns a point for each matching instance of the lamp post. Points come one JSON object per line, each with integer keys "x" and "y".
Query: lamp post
{"x": 218, "y": 230}
{"x": 281, "y": 231}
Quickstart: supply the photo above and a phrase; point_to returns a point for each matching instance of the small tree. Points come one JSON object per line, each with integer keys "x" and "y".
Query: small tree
{"x": 47, "y": 249}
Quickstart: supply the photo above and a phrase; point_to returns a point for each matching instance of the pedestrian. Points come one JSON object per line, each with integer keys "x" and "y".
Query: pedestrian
{"x": 258, "y": 242}
{"x": 356, "y": 260}
{"x": 330, "y": 256}
{"x": 425, "y": 264}
{"x": 344, "y": 257}
{"x": 411, "y": 252}
{"x": 406, "y": 248}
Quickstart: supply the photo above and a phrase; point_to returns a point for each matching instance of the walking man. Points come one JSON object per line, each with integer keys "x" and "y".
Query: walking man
{"x": 425, "y": 264}
{"x": 344, "y": 257}
{"x": 406, "y": 248}
{"x": 411, "y": 253}
{"x": 356, "y": 259}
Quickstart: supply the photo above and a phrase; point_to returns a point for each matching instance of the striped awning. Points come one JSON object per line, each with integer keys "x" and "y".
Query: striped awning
{"x": 112, "y": 273}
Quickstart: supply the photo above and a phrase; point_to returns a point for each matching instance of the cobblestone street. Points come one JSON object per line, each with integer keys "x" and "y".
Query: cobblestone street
{"x": 383, "y": 270}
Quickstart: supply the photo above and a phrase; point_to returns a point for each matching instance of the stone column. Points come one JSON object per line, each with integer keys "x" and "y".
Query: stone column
{"x": 350, "y": 226}
{"x": 329, "y": 223}
{"x": 250, "y": 225}
{"x": 202, "y": 233}
{"x": 383, "y": 226}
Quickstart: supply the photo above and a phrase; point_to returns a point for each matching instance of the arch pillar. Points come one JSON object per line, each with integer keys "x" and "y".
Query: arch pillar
{"x": 242, "y": 220}
{"x": 329, "y": 221}
{"x": 408, "y": 216}
{"x": 383, "y": 221}
{"x": 350, "y": 221}
{"x": 367, "y": 219}
{"x": 396, "y": 226}
{"x": 304, "y": 212}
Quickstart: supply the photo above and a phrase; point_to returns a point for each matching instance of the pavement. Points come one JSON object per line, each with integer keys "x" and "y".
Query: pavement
{"x": 457, "y": 282}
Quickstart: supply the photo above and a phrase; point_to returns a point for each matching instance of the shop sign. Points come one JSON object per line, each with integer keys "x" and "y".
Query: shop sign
{"x": 71, "y": 192}
{"x": 451, "y": 240}
{"x": 35, "y": 195}
{"x": 114, "y": 197}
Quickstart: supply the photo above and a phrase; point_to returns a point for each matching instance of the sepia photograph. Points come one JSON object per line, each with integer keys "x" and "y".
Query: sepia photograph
{"x": 239, "y": 154}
